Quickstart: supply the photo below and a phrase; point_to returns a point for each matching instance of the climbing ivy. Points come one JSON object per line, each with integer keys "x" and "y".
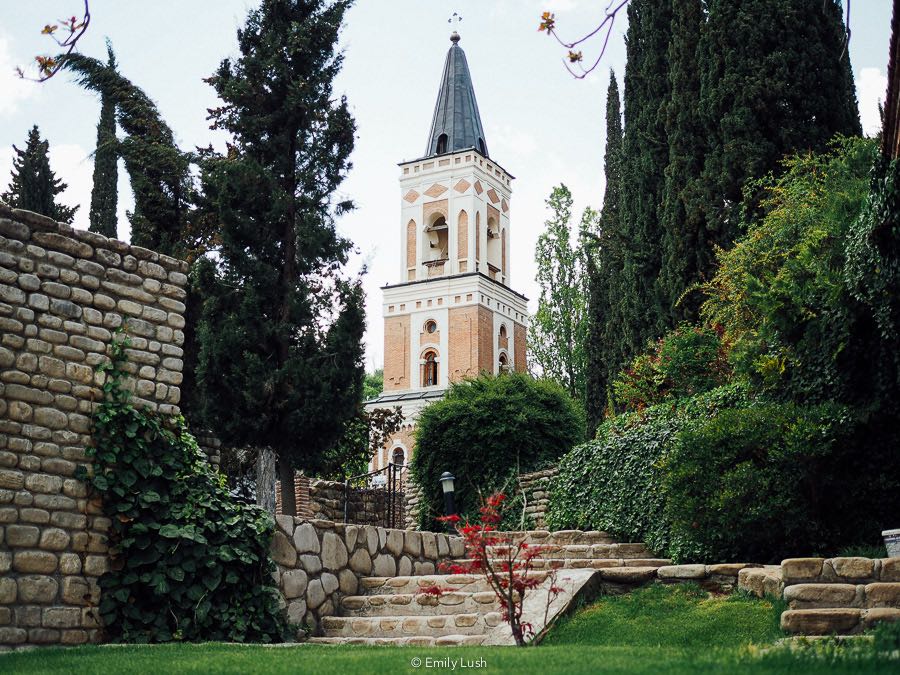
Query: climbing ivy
{"x": 188, "y": 561}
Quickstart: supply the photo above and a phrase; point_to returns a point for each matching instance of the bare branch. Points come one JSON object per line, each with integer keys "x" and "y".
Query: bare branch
{"x": 74, "y": 30}
{"x": 575, "y": 58}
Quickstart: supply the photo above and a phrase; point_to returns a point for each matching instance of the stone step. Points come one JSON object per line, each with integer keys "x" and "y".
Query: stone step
{"x": 588, "y": 563}
{"x": 560, "y": 537}
{"x": 405, "y": 626}
{"x": 835, "y": 595}
{"x": 588, "y": 552}
{"x": 400, "y": 604}
{"x": 837, "y": 621}
{"x": 410, "y": 641}
{"x": 472, "y": 583}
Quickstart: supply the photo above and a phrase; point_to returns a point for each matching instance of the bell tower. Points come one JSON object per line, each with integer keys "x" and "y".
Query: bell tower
{"x": 453, "y": 313}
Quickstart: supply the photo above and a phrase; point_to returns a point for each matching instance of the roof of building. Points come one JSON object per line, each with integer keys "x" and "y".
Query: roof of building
{"x": 456, "y": 111}
{"x": 385, "y": 397}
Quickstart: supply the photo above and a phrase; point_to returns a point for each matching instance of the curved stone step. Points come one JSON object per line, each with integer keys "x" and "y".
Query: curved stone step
{"x": 824, "y": 596}
{"x": 400, "y": 604}
{"x": 585, "y": 551}
{"x": 560, "y": 537}
{"x": 472, "y": 583}
{"x": 828, "y": 621}
{"x": 410, "y": 641}
{"x": 405, "y": 626}
{"x": 587, "y": 563}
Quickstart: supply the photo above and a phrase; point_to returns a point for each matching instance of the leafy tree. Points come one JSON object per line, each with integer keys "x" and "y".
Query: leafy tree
{"x": 280, "y": 362}
{"x": 34, "y": 186}
{"x": 364, "y": 436}
{"x": 603, "y": 353}
{"x": 776, "y": 79}
{"x": 686, "y": 254}
{"x": 645, "y": 155}
{"x": 373, "y": 384}
{"x": 558, "y": 327}
{"x": 488, "y": 429}
{"x": 104, "y": 195}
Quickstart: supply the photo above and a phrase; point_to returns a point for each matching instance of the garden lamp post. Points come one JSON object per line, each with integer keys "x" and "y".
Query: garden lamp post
{"x": 447, "y": 486}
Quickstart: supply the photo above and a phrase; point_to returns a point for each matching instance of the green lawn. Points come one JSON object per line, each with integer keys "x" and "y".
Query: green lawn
{"x": 655, "y": 630}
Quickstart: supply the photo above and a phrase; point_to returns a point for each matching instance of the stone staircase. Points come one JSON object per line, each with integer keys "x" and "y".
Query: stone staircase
{"x": 394, "y": 610}
{"x": 833, "y": 596}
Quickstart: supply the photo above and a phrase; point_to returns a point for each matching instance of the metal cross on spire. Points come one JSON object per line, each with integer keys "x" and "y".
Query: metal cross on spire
{"x": 455, "y": 18}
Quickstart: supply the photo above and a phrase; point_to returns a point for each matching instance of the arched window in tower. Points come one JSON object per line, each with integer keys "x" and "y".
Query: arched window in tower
{"x": 436, "y": 236}
{"x": 411, "y": 250}
{"x": 430, "y": 370}
{"x": 442, "y": 144}
{"x": 398, "y": 457}
{"x": 504, "y": 363}
{"x": 494, "y": 255}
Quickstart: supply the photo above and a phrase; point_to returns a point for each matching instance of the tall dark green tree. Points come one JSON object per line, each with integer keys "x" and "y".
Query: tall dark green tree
{"x": 164, "y": 218}
{"x": 280, "y": 362}
{"x": 603, "y": 353}
{"x": 686, "y": 253}
{"x": 105, "y": 194}
{"x": 33, "y": 185}
{"x": 776, "y": 79}
{"x": 645, "y": 155}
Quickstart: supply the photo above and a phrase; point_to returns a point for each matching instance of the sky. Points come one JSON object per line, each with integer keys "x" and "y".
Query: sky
{"x": 541, "y": 124}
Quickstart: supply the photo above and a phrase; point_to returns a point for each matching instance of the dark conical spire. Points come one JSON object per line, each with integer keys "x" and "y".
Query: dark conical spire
{"x": 456, "y": 124}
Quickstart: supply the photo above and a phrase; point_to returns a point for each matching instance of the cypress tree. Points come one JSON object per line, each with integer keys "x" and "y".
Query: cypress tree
{"x": 645, "y": 155}
{"x": 163, "y": 218}
{"x": 686, "y": 254}
{"x": 280, "y": 361}
{"x": 33, "y": 185}
{"x": 104, "y": 195}
{"x": 604, "y": 269}
{"x": 775, "y": 79}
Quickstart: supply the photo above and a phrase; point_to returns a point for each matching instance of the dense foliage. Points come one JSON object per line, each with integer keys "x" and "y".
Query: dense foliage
{"x": 716, "y": 94}
{"x": 686, "y": 361}
{"x": 777, "y": 480}
{"x": 33, "y": 185}
{"x": 189, "y": 562}
{"x": 780, "y": 295}
{"x": 486, "y": 430}
{"x": 280, "y": 362}
{"x": 105, "y": 193}
{"x": 798, "y": 454}
{"x": 613, "y": 483}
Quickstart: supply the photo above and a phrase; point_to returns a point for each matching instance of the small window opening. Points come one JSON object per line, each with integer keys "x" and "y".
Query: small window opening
{"x": 442, "y": 144}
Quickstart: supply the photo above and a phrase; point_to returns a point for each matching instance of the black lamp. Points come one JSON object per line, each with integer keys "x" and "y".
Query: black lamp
{"x": 447, "y": 486}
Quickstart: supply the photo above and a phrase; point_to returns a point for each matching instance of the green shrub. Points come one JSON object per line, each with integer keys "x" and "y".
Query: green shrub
{"x": 189, "y": 562}
{"x": 780, "y": 294}
{"x": 776, "y": 480}
{"x": 486, "y": 430}
{"x": 613, "y": 483}
{"x": 686, "y": 361}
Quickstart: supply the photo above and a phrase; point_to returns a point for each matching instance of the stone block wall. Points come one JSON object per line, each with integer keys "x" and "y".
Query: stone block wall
{"x": 324, "y": 500}
{"x": 536, "y": 488}
{"x": 319, "y": 561}
{"x": 62, "y": 294}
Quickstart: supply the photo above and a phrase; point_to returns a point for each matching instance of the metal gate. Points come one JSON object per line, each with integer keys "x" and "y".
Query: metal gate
{"x": 376, "y": 498}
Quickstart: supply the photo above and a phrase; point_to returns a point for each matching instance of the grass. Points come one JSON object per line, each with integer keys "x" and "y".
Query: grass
{"x": 656, "y": 630}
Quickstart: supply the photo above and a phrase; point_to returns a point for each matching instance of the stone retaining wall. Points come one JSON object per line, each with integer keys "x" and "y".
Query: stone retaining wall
{"x": 536, "y": 488}
{"x": 324, "y": 500}
{"x": 319, "y": 561}
{"x": 62, "y": 294}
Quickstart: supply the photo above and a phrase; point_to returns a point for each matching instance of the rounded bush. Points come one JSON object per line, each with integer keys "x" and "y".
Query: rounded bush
{"x": 487, "y": 430}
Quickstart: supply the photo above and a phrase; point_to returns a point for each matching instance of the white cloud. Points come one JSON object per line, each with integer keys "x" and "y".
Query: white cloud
{"x": 13, "y": 89}
{"x": 871, "y": 87}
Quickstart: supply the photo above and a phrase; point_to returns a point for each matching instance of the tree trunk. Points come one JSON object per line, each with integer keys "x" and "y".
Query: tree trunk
{"x": 286, "y": 477}
{"x": 265, "y": 479}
